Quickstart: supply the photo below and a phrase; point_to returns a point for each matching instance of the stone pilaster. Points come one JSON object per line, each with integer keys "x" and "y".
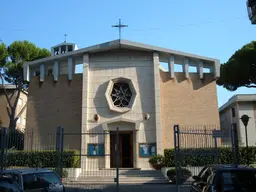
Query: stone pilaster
{"x": 85, "y": 110}
{"x": 159, "y": 137}
{"x": 107, "y": 149}
{"x": 135, "y": 148}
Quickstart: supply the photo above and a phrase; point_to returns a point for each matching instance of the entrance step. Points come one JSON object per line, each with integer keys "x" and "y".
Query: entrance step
{"x": 125, "y": 176}
{"x": 126, "y": 169}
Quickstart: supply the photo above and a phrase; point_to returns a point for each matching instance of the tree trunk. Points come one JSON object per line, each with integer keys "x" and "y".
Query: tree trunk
{"x": 12, "y": 123}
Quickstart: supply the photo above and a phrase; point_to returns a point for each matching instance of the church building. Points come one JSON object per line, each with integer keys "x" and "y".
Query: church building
{"x": 121, "y": 84}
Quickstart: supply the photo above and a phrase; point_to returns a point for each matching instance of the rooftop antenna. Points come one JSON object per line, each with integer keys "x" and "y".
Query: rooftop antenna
{"x": 120, "y": 26}
{"x": 65, "y": 35}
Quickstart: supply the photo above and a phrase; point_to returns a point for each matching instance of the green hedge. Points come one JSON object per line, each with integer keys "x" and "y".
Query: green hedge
{"x": 71, "y": 159}
{"x": 225, "y": 156}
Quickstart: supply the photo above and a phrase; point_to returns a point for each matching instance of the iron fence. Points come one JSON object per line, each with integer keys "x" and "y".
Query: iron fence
{"x": 77, "y": 157}
{"x": 196, "y": 147}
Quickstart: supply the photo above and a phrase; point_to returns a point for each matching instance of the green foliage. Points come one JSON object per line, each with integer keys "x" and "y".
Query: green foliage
{"x": 195, "y": 159}
{"x": 240, "y": 69}
{"x": 156, "y": 159}
{"x": 20, "y": 52}
{"x": 185, "y": 172}
{"x": 184, "y": 175}
{"x": 13, "y": 139}
{"x": 12, "y": 59}
{"x": 3, "y": 54}
{"x": 64, "y": 172}
{"x": 42, "y": 159}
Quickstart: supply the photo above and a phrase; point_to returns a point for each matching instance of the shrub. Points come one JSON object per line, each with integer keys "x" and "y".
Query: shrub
{"x": 13, "y": 139}
{"x": 199, "y": 156}
{"x": 185, "y": 174}
{"x": 64, "y": 172}
{"x": 42, "y": 159}
{"x": 156, "y": 159}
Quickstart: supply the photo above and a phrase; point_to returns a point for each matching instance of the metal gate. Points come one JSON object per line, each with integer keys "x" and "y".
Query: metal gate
{"x": 92, "y": 158}
{"x": 196, "y": 147}
{"x": 79, "y": 158}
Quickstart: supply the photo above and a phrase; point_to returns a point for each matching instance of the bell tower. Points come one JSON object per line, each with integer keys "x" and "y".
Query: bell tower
{"x": 63, "y": 48}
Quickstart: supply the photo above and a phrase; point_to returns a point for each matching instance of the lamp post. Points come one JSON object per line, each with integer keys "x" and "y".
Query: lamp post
{"x": 245, "y": 120}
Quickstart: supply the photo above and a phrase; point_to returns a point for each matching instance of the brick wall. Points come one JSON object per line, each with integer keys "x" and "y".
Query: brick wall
{"x": 53, "y": 104}
{"x": 188, "y": 102}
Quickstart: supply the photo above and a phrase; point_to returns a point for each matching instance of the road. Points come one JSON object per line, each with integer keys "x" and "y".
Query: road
{"x": 126, "y": 188}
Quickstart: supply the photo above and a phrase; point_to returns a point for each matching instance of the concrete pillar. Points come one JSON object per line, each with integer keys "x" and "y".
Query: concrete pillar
{"x": 42, "y": 72}
{"x": 185, "y": 68}
{"x": 171, "y": 66}
{"x": 26, "y": 73}
{"x": 217, "y": 69}
{"x": 159, "y": 137}
{"x": 85, "y": 108}
{"x": 59, "y": 52}
{"x": 135, "y": 147}
{"x": 200, "y": 68}
{"x": 56, "y": 70}
{"x": 66, "y": 49}
{"x": 107, "y": 149}
{"x": 70, "y": 68}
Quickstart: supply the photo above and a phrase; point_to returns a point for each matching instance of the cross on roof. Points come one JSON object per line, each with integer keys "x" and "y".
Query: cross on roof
{"x": 120, "y": 26}
{"x": 65, "y": 35}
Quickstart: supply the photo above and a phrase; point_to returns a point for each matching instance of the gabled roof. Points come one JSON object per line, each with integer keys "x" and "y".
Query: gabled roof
{"x": 238, "y": 98}
{"x": 111, "y": 45}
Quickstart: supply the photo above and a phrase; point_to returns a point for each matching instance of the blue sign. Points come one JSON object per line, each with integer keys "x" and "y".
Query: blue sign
{"x": 95, "y": 149}
{"x": 147, "y": 149}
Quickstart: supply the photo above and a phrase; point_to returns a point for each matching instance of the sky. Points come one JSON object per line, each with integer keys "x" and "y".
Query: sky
{"x": 208, "y": 28}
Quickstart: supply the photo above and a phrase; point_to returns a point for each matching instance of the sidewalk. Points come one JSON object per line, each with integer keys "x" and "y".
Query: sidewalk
{"x": 126, "y": 188}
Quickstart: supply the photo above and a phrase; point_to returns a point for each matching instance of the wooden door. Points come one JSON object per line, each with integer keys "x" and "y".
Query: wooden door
{"x": 113, "y": 150}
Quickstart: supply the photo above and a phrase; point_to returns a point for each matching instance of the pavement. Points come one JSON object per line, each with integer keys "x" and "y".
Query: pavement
{"x": 126, "y": 188}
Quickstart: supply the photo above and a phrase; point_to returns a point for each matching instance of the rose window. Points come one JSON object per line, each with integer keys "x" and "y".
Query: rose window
{"x": 121, "y": 94}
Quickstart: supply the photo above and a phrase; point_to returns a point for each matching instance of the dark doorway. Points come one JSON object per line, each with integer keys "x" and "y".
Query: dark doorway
{"x": 125, "y": 149}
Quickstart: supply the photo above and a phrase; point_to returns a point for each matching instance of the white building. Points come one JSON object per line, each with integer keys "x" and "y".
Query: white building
{"x": 232, "y": 111}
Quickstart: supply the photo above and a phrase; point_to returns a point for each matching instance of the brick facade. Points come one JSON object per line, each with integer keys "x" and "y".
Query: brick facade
{"x": 53, "y": 104}
{"x": 187, "y": 102}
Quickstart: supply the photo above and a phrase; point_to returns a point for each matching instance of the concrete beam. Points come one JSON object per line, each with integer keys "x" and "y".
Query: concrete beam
{"x": 185, "y": 68}
{"x": 26, "y": 72}
{"x": 56, "y": 70}
{"x": 171, "y": 66}
{"x": 70, "y": 68}
{"x": 42, "y": 72}
{"x": 200, "y": 68}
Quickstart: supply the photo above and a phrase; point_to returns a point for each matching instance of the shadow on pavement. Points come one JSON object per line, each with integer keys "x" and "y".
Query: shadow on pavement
{"x": 126, "y": 188}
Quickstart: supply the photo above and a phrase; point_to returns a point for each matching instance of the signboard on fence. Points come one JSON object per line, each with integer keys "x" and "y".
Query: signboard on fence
{"x": 95, "y": 149}
{"x": 217, "y": 134}
{"x": 147, "y": 149}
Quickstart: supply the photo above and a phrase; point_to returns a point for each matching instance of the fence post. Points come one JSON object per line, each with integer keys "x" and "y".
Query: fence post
{"x": 32, "y": 139}
{"x": 176, "y": 156}
{"x": 3, "y": 142}
{"x": 234, "y": 138}
{"x": 117, "y": 159}
{"x": 216, "y": 148}
{"x": 61, "y": 150}
{"x": 58, "y": 150}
